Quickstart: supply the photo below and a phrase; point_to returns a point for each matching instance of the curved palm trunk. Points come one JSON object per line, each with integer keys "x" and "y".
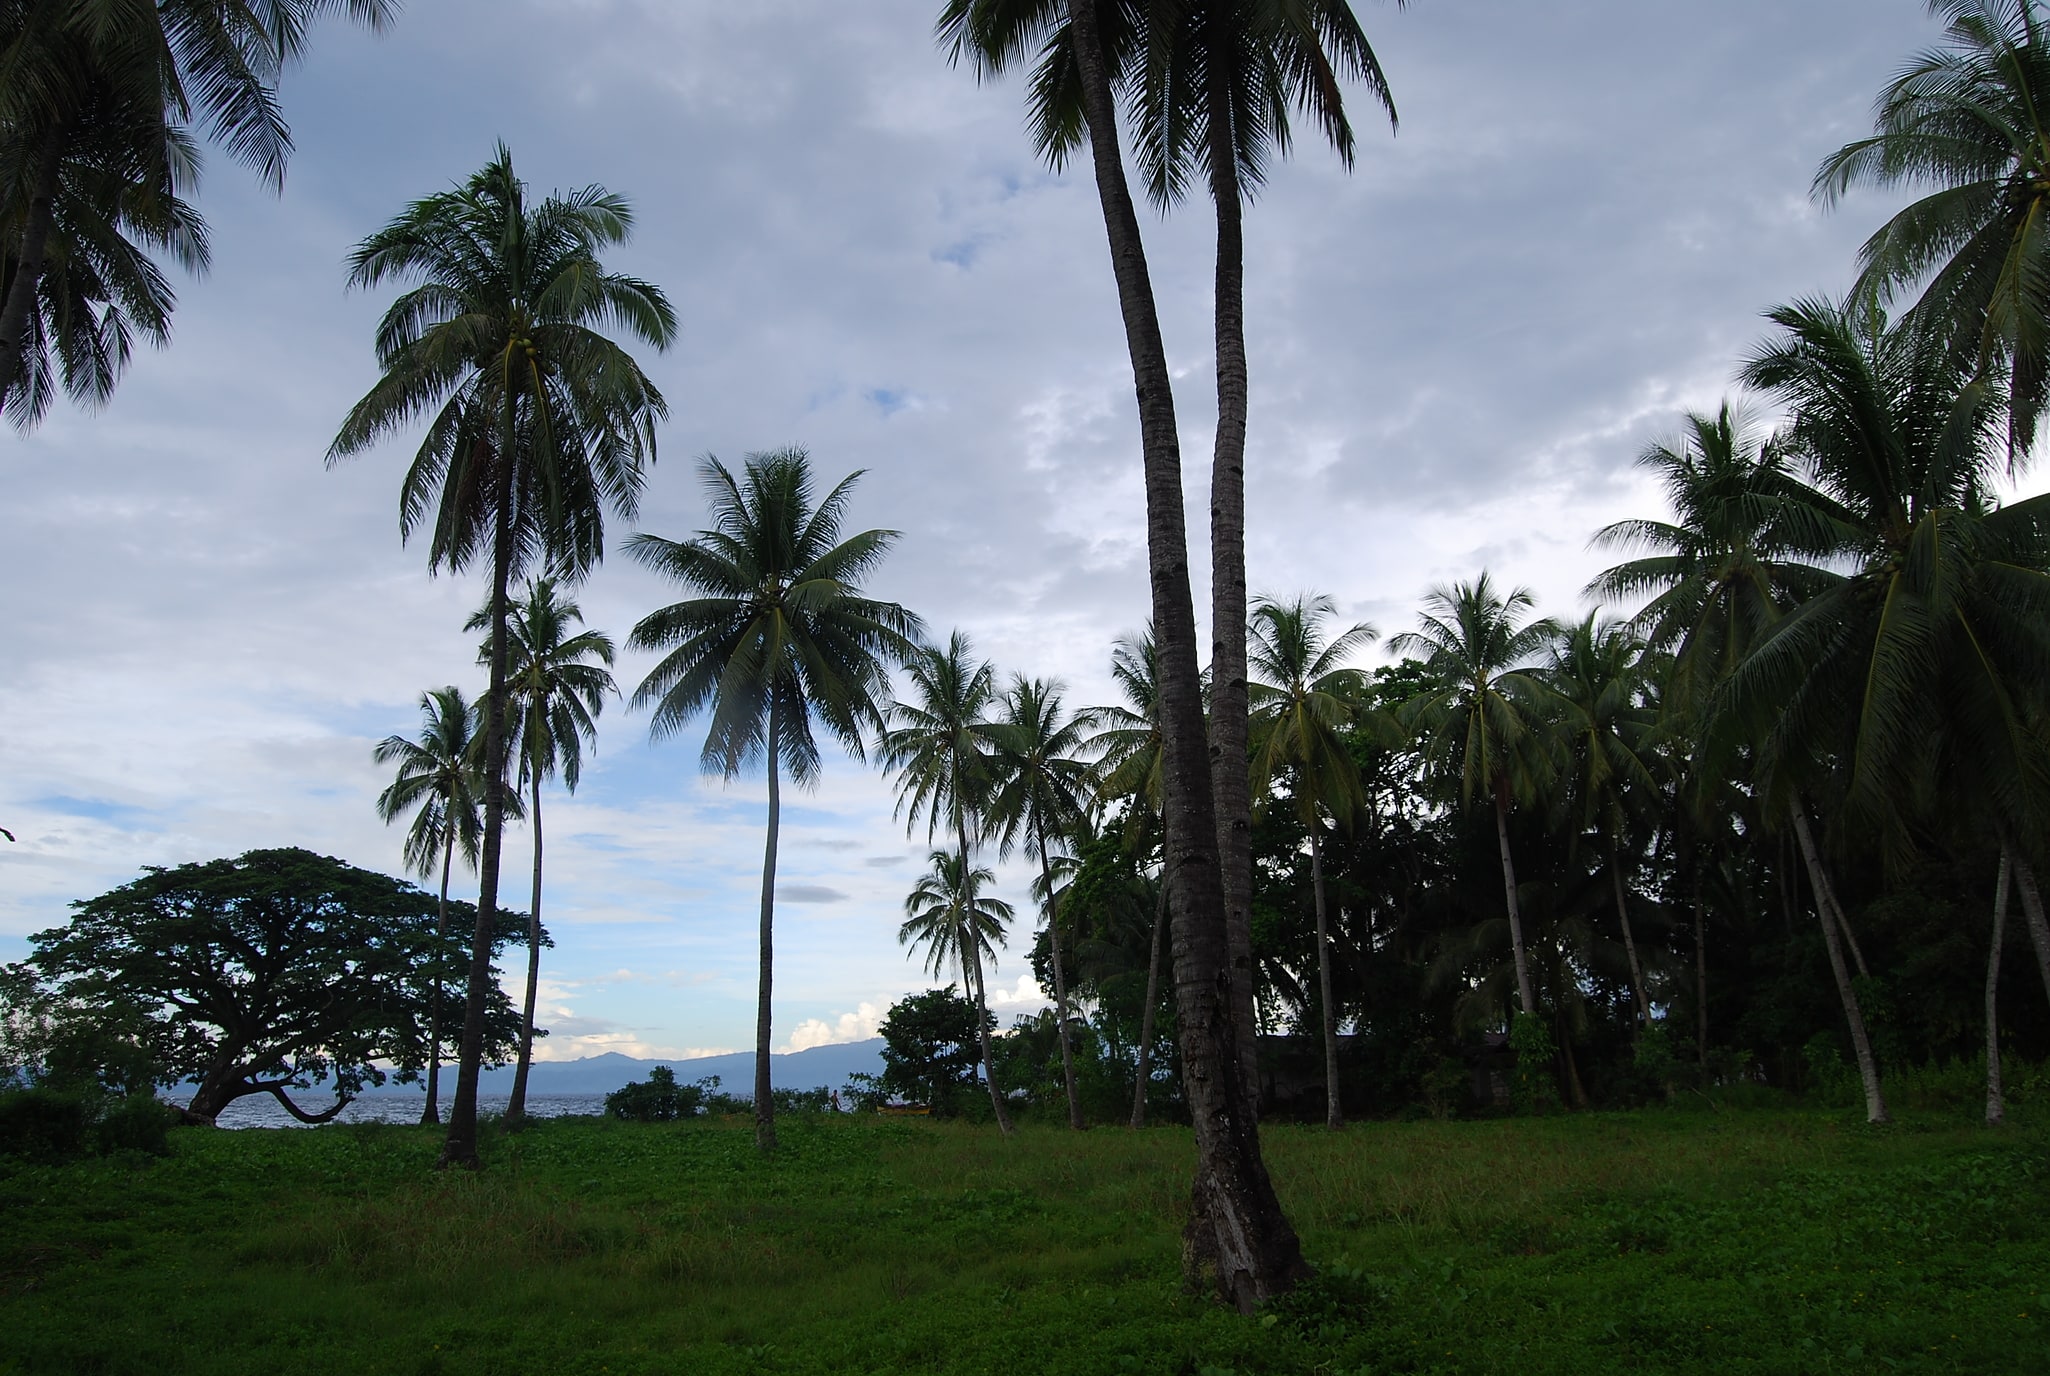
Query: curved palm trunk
{"x": 765, "y": 1100}
{"x": 1238, "y": 1239}
{"x": 972, "y": 952}
{"x": 459, "y": 1147}
{"x": 2032, "y": 914}
{"x": 1060, "y": 986}
{"x": 1334, "y": 1112}
{"x": 1825, "y": 910}
{"x": 516, "y": 1107}
{"x": 1996, "y": 1099}
{"x": 1144, "y": 1068}
{"x": 431, "y": 1115}
{"x": 32, "y": 253}
{"x": 1629, "y": 941}
{"x": 1229, "y": 705}
{"x": 1576, "y": 1091}
{"x": 1523, "y": 986}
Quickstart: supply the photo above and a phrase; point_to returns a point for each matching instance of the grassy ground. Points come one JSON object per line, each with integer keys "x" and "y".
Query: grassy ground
{"x": 1729, "y": 1242}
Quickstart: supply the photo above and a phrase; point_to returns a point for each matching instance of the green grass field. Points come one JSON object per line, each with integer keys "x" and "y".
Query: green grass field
{"x": 1667, "y": 1241}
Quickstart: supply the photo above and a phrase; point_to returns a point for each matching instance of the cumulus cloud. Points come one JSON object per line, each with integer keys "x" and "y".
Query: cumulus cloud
{"x": 864, "y": 1022}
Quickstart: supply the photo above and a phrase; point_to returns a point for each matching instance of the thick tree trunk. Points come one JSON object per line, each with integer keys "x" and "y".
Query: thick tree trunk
{"x": 1238, "y": 1239}
{"x": 1629, "y": 941}
{"x": 1523, "y": 986}
{"x": 1334, "y": 1109}
{"x": 31, "y": 253}
{"x": 1825, "y": 911}
{"x": 516, "y": 1107}
{"x": 1996, "y": 1099}
{"x": 2032, "y": 914}
{"x": 459, "y": 1147}
{"x": 1060, "y": 985}
{"x": 1144, "y": 1068}
{"x": 1229, "y": 702}
{"x": 972, "y": 950}
{"x": 765, "y": 1099}
{"x": 431, "y": 1115}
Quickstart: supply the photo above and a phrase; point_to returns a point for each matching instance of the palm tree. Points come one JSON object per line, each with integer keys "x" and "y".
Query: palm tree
{"x": 950, "y": 916}
{"x": 1302, "y": 697}
{"x": 554, "y": 696}
{"x": 1482, "y": 717}
{"x": 125, "y": 78}
{"x": 1043, "y": 786}
{"x": 538, "y": 423}
{"x": 1610, "y": 739}
{"x": 1238, "y": 1238}
{"x": 1971, "y": 120}
{"x": 1129, "y": 767}
{"x": 1746, "y": 542}
{"x": 1923, "y": 664}
{"x": 777, "y": 635}
{"x": 98, "y": 287}
{"x": 940, "y": 747}
{"x": 438, "y": 782}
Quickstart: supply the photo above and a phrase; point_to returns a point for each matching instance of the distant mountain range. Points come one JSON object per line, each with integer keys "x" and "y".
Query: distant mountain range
{"x": 820, "y": 1065}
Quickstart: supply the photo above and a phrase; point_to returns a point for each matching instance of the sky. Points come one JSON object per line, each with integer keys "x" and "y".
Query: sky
{"x": 1458, "y": 349}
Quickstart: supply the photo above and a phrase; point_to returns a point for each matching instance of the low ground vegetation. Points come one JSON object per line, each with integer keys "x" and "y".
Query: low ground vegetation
{"x": 1721, "y": 1237}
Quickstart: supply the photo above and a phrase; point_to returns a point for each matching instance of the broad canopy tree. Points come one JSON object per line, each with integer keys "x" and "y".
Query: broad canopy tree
{"x": 272, "y": 973}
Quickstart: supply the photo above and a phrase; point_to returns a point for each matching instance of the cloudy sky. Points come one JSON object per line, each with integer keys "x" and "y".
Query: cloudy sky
{"x": 1457, "y": 351}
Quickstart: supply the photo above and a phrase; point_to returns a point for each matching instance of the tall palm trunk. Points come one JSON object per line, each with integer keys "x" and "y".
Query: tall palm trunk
{"x": 1996, "y": 1099}
{"x": 1334, "y": 1112}
{"x": 1229, "y": 701}
{"x": 31, "y": 254}
{"x": 2032, "y": 913}
{"x": 516, "y": 1107}
{"x": 765, "y": 1101}
{"x": 1825, "y": 911}
{"x": 431, "y": 1115}
{"x": 1700, "y": 978}
{"x": 973, "y": 950}
{"x": 459, "y": 1148}
{"x": 1238, "y": 1239}
{"x": 1144, "y": 1068}
{"x": 1629, "y": 941}
{"x": 1523, "y": 986}
{"x": 1060, "y": 985}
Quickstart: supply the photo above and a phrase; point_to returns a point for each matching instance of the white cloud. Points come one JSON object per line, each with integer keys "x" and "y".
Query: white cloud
{"x": 864, "y": 1022}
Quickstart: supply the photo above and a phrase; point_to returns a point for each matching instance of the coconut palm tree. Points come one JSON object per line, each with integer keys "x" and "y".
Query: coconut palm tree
{"x": 941, "y": 747}
{"x": 439, "y": 784}
{"x": 1609, "y": 734}
{"x": 1970, "y": 121}
{"x": 537, "y": 423}
{"x": 950, "y": 916}
{"x": 1302, "y": 695}
{"x": 1043, "y": 788}
{"x": 99, "y": 288}
{"x": 1483, "y": 716}
{"x": 1923, "y": 664}
{"x": 556, "y": 683}
{"x": 122, "y": 80}
{"x": 1238, "y": 1238}
{"x": 777, "y": 635}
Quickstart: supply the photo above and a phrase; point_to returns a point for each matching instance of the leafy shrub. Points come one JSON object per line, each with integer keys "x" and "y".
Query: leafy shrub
{"x": 660, "y": 1099}
{"x": 45, "y": 1124}
{"x": 1531, "y": 1040}
{"x": 134, "y": 1122}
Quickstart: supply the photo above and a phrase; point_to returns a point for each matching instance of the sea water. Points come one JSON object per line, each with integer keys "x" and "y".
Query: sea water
{"x": 264, "y": 1111}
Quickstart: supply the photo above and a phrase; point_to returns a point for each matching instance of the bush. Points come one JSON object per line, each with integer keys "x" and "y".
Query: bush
{"x": 45, "y": 1124}
{"x": 660, "y": 1099}
{"x": 134, "y": 1122}
{"x": 1531, "y": 1040}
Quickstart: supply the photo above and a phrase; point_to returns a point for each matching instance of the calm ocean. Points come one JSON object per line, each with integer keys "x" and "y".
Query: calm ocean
{"x": 262, "y": 1111}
